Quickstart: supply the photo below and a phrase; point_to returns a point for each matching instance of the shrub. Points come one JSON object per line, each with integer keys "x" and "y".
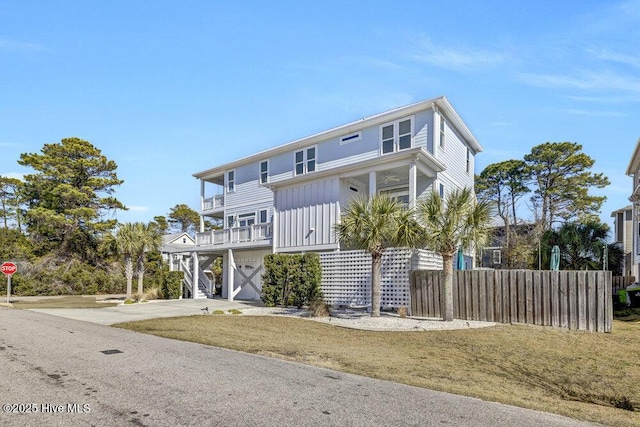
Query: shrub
{"x": 172, "y": 284}
{"x": 291, "y": 279}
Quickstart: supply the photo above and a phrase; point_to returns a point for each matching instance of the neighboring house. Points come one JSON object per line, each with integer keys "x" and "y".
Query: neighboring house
{"x": 494, "y": 255}
{"x": 623, "y": 235}
{"x": 175, "y": 248}
{"x": 288, "y": 198}
{"x": 633, "y": 170}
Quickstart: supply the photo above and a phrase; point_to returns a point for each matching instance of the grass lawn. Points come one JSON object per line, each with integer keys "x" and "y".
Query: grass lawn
{"x": 75, "y": 301}
{"x": 578, "y": 374}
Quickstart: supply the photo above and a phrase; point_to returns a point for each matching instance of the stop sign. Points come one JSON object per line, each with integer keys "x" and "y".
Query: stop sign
{"x": 9, "y": 268}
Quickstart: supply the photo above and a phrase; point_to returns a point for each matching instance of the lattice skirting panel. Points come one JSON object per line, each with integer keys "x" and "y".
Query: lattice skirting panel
{"x": 346, "y": 276}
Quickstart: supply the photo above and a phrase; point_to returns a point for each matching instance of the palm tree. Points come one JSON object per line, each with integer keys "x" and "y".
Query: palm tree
{"x": 149, "y": 239}
{"x": 373, "y": 225}
{"x": 458, "y": 220}
{"x": 128, "y": 243}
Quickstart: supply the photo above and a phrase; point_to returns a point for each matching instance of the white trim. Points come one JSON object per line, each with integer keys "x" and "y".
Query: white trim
{"x": 442, "y": 132}
{"x": 396, "y": 135}
{"x": 266, "y": 181}
{"x": 305, "y": 160}
{"x": 226, "y": 181}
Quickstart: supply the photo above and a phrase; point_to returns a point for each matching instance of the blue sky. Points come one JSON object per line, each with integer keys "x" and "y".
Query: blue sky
{"x": 170, "y": 88}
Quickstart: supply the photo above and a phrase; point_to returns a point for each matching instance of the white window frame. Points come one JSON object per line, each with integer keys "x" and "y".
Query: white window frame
{"x": 442, "y": 131}
{"x": 396, "y": 135}
{"x": 231, "y": 221}
{"x": 352, "y": 137}
{"x": 230, "y": 184}
{"x": 441, "y": 190}
{"x": 265, "y": 179}
{"x": 396, "y": 193}
{"x": 266, "y": 216}
{"x": 249, "y": 218}
{"x": 468, "y": 160}
{"x": 305, "y": 160}
{"x": 496, "y": 256}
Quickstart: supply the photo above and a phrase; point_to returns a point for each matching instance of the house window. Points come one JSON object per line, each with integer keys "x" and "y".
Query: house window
{"x": 400, "y": 194}
{"x": 351, "y": 138}
{"x": 245, "y": 220}
{"x": 231, "y": 181}
{"x": 264, "y": 172}
{"x": 442, "y": 136}
{"x": 184, "y": 240}
{"x": 262, "y": 216}
{"x": 305, "y": 161}
{"x": 468, "y": 160}
{"x": 441, "y": 190}
{"x": 496, "y": 256}
{"x": 230, "y": 221}
{"x": 395, "y": 136}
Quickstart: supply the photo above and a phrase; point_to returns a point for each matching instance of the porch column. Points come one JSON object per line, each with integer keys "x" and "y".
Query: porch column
{"x": 413, "y": 180}
{"x": 231, "y": 267}
{"x": 201, "y": 204}
{"x": 195, "y": 275}
{"x": 372, "y": 183}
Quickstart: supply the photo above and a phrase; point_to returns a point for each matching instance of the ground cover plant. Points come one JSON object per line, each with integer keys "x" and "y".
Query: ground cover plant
{"x": 76, "y": 301}
{"x": 588, "y": 376}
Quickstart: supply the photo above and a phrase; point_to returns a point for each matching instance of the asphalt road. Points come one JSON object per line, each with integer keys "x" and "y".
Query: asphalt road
{"x": 66, "y": 372}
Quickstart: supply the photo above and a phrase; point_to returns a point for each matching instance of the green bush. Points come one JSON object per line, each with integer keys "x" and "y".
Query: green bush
{"x": 291, "y": 279}
{"x": 172, "y": 284}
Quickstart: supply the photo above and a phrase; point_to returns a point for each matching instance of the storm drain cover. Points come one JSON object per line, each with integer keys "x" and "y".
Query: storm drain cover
{"x": 114, "y": 351}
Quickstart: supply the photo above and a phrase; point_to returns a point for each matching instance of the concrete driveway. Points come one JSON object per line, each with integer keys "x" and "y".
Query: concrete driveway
{"x": 148, "y": 310}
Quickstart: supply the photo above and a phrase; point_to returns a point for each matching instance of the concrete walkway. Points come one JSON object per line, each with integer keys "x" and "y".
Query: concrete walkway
{"x": 147, "y": 310}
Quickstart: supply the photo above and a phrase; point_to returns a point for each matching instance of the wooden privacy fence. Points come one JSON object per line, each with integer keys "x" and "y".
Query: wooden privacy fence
{"x": 568, "y": 299}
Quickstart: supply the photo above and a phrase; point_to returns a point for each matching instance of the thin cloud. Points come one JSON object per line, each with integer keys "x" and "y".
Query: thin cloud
{"x": 138, "y": 208}
{"x": 462, "y": 59}
{"x": 18, "y": 45}
{"x": 585, "y": 81}
{"x": 617, "y": 57}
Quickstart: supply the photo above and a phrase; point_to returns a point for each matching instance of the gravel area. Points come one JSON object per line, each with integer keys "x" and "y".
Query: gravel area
{"x": 360, "y": 319}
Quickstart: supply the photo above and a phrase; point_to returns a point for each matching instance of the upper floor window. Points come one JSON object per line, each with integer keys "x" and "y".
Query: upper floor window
{"x": 468, "y": 160}
{"x": 396, "y": 136}
{"x": 264, "y": 172}
{"x": 262, "y": 216}
{"x": 247, "y": 219}
{"x": 231, "y": 181}
{"x": 305, "y": 161}
{"x": 441, "y": 190}
{"x": 230, "y": 221}
{"x": 442, "y": 135}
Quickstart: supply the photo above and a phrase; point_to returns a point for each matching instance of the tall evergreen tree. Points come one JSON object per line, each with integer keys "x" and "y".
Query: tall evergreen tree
{"x": 10, "y": 210}
{"x": 184, "y": 219}
{"x": 562, "y": 177}
{"x": 69, "y": 196}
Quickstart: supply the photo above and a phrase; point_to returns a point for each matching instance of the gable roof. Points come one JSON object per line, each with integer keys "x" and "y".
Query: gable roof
{"x": 440, "y": 102}
{"x": 169, "y": 239}
{"x": 634, "y": 163}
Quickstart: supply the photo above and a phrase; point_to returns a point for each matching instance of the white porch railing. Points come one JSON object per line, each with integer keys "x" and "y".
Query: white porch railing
{"x": 215, "y": 202}
{"x": 249, "y": 233}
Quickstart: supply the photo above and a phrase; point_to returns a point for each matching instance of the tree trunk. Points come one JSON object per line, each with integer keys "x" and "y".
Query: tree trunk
{"x": 128, "y": 272}
{"x": 140, "y": 274}
{"x": 447, "y": 287}
{"x": 376, "y": 273}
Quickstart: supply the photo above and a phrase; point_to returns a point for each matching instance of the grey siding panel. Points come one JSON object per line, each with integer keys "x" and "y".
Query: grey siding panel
{"x": 307, "y": 206}
{"x": 421, "y": 127}
{"x": 454, "y": 156}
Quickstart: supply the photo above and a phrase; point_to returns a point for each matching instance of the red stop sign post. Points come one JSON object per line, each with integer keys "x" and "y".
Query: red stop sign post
{"x": 8, "y": 268}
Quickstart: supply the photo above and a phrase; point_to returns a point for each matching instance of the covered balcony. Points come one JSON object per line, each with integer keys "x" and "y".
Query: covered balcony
{"x": 258, "y": 234}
